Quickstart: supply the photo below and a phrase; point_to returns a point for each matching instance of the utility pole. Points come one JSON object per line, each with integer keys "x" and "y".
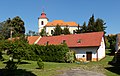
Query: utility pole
{"x": 11, "y": 31}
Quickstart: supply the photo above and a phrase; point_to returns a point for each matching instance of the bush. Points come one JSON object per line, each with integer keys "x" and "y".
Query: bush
{"x": 70, "y": 56}
{"x": 11, "y": 65}
{"x": 54, "y": 53}
{"x": 40, "y": 63}
{"x": 22, "y": 50}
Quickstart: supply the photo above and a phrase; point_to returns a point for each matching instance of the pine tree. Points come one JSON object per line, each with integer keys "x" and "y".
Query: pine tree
{"x": 91, "y": 24}
{"x": 84, "y": 28}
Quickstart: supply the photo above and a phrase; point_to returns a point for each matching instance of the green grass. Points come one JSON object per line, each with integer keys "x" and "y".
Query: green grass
{"x": 52, "y": 68}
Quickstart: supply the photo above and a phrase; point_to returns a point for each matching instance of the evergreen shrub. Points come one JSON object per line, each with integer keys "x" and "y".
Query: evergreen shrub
{"x": 40, "y": 63}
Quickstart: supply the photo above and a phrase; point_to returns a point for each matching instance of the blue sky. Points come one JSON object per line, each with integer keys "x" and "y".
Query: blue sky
{"x": 67, "y": 10}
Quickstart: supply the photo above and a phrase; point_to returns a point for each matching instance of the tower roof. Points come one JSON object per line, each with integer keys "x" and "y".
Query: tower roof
{"x": 43, "y": 15}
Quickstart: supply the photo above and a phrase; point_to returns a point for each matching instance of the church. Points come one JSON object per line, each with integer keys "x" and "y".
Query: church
{"x": 43, "y": 22}
{"x": 87, "y": 46}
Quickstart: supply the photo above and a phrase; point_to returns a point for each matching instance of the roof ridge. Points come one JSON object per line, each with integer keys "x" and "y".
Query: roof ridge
{"x": 76, "y": 34}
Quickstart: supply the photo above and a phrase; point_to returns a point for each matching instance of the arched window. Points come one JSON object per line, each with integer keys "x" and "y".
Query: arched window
{"x": 42, "y": 23}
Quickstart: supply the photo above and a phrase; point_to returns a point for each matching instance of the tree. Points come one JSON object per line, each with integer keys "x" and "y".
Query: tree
{"x": 57, "y": 31}
{"x": 43, "y": 32}
{"x": 32, "y": 33}
{"x": 78, "y": 30}
{"x": 4, "y": 29}
{"x": 18, "y": 25}
{"x": 112, "y": 41}
{"x": 99, "y": 25}
{"x": 15, "y": 24}
{"x": 83, "y": 28}
{"x": 66, "y": 31}
{"x": 91, "y": 24}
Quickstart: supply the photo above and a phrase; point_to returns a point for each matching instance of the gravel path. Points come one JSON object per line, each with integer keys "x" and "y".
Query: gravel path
{"x": 79, "y": 72}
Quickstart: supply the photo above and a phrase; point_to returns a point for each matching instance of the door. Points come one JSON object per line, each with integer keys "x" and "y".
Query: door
{"x": 89, "y": 56}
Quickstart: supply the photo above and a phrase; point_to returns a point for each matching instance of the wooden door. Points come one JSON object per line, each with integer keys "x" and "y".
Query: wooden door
{"x": 89, "y": 56}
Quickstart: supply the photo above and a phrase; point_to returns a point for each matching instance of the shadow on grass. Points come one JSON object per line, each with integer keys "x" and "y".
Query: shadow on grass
{"x": 18, "y": 72}
{"x": 19, "y": 63}
{"x": 114, "y": 69}
{"x": 110, "y": 53}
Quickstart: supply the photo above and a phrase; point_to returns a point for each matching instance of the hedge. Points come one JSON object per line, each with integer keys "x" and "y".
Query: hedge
{"x": 50, "y": 53}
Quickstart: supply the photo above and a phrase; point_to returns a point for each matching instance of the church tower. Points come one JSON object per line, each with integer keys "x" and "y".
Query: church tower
{"x": 42, "y": 21}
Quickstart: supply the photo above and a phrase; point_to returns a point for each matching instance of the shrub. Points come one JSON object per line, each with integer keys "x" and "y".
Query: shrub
{"x": 40, "y": 63}
{"x": 70, "y": 56}
{"x": 22, "y": 50}
{"x": 53, "y": 53}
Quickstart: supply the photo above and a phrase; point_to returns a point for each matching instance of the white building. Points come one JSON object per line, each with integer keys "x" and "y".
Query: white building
{"x": 49, "y": 26}
{"x": 87, "y": 46}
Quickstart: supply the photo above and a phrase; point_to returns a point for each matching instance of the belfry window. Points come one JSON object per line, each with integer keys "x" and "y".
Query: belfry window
{"x": 42, "y": 23}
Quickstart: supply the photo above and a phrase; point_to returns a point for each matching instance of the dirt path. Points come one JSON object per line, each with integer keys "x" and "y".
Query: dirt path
{"x": 79, "y": 72}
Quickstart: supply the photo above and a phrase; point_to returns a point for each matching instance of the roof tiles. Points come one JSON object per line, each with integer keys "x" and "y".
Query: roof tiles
{"x": 61, "y": 23}
{"x": 74, "y": 40}
{"x": 32, "y": 39}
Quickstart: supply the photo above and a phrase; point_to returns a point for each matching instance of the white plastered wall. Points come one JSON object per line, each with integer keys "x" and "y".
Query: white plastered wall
{"x": 49, "y": 28}
{"x": 82, "y": 51}
{"x": 40, "y": 27}
{"x": 101, "y": 50}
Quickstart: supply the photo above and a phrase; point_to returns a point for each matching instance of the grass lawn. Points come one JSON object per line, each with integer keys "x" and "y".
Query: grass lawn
{"x": 52, "y": 69}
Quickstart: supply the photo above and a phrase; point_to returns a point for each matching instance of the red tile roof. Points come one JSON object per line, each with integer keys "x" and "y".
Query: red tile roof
{"x": 32, "y": 39}
{"x": 61, "y": 23}
{"x": 74, "y": 40}
{"x": 43, "y": 15}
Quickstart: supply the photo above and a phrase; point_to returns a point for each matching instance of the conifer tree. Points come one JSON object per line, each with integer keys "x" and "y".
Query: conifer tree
{"x": 91, "y": 24}
{"x": 84, "y": 28}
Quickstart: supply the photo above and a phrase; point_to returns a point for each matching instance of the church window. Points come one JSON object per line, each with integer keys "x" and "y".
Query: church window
{"x": 42, "y": 23}
{"x": 73, "y": 31}
{"x": 52, "y": 32}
